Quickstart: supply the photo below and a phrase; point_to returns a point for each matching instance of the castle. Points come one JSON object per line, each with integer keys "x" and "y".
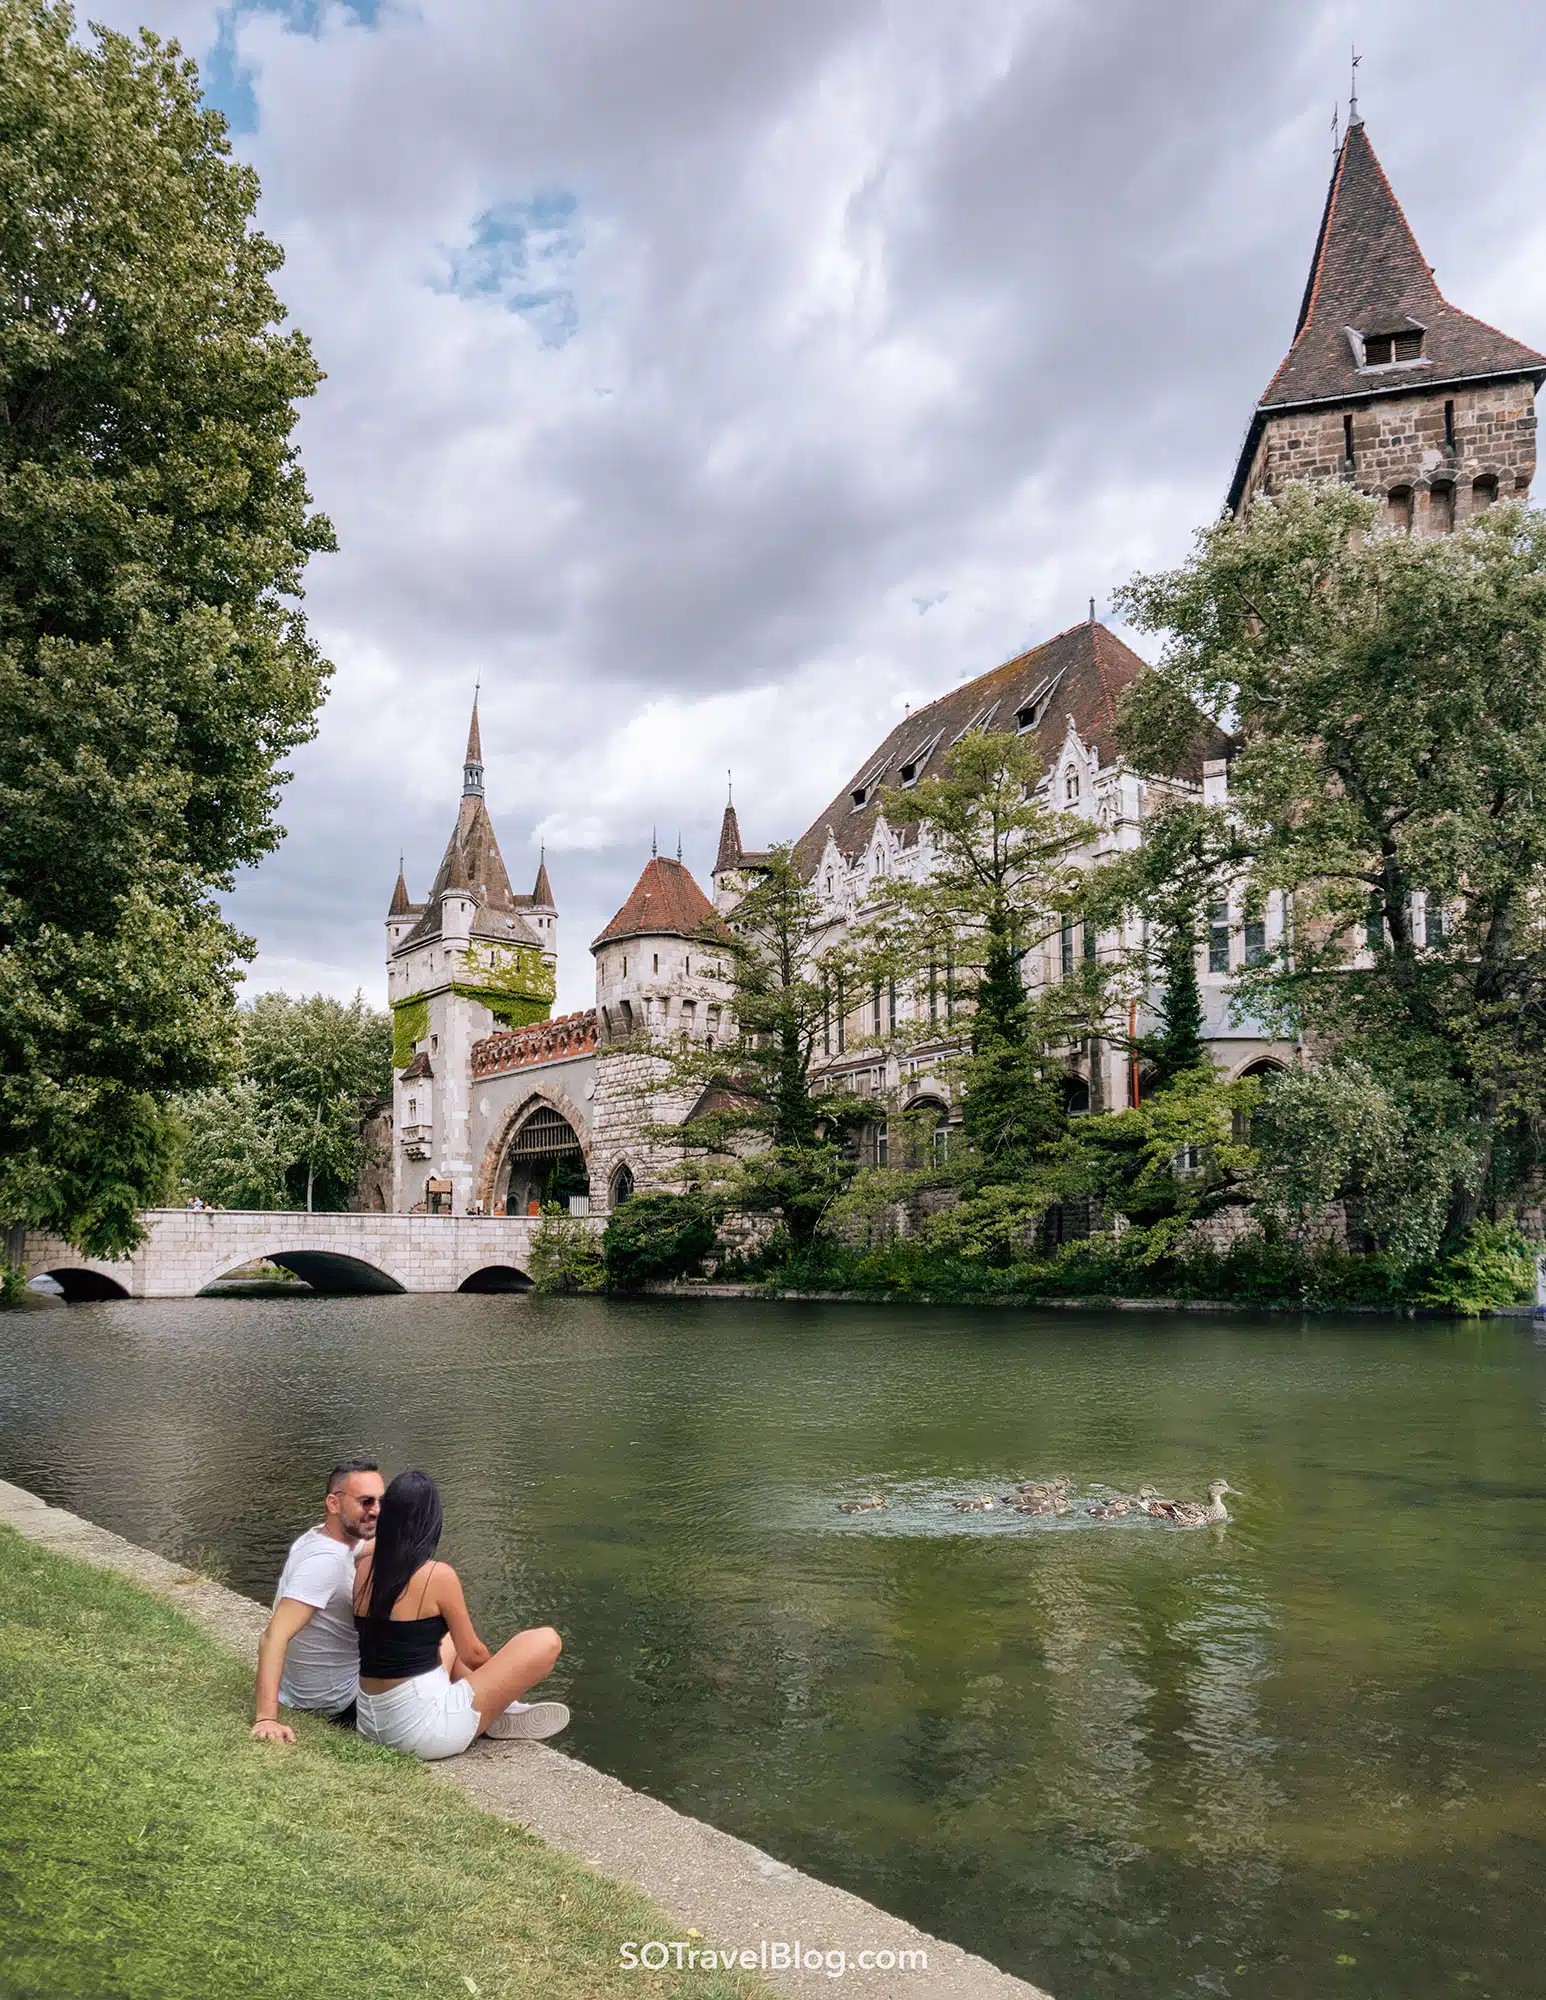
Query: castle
{"x": 1386, "y": 386}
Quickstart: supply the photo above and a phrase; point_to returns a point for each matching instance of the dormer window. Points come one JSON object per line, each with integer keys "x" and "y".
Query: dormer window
{"x": 1028, "y": 717}
{"x": 1380, "y": 350}
{"x": 860, "y": 794}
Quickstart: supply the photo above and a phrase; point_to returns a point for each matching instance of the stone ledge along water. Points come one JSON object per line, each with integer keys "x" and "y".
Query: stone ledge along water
{"x": 709, "y": 1881}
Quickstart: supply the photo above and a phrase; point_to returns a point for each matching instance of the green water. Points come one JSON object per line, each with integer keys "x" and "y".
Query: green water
{"x": 1301, "y": 1754}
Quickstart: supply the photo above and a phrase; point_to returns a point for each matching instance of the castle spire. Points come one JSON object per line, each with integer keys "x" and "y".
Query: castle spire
{"x": 472, "y": 763}
{"x": 400, "y": 905}
{"x": 542, "y": 894}
{"x": 729, "y": 855}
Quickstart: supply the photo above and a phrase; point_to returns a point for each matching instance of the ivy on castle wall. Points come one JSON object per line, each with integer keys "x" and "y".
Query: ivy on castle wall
{"x": 517, "y": 970}
{"x": 410, "y": 1024}
{"x": 510, "y": 1010}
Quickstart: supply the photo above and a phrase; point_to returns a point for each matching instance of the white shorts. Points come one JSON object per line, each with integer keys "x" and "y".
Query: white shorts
{"x": 429, "y": 1716}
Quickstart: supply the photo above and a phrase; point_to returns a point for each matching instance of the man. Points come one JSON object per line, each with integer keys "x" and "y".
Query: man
{"x": 308, "y": 1656}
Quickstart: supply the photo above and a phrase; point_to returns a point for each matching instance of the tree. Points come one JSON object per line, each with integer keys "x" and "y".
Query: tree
{"x": 758, "y": 1139}
{"x": 155, "y": 667}
{"x": 289, "y": 1131}
{"x": 1388, "y": 693}
{"x": 1001, "y": 879}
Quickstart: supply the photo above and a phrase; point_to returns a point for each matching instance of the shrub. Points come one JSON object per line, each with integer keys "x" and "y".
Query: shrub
{"x": 656, "y": 1236}
{"x": 565, "y": 1256}
{"x": 1492, "y": 1266}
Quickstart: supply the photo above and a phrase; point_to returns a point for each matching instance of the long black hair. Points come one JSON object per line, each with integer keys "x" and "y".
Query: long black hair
{"x": 407, "y": 1535}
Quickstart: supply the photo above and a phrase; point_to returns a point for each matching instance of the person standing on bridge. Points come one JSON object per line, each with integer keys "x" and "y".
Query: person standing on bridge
{"x": 308, "y": 1656}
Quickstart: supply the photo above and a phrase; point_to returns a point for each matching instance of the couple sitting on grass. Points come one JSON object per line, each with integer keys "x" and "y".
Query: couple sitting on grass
{"x": 371, "y": 1630}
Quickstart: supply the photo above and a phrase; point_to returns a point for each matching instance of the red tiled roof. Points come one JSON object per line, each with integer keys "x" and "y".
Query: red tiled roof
{"x": 1369, "y": 274}
{"x": 666, "y": 902}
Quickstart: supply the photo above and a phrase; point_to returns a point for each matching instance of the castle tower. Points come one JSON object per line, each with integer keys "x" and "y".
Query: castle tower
{"x": 1387, "y": 386}
{"x": 472, "y": 958}
{"x": 735, "y": 866}
{"x": 658, "y": 977}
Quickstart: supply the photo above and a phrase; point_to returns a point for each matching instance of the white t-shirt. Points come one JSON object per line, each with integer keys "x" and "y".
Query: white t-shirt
{"x": 322, "y": 1661}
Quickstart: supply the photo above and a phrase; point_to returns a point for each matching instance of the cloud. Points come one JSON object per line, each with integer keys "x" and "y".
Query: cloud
{"x": 712, "y": 381}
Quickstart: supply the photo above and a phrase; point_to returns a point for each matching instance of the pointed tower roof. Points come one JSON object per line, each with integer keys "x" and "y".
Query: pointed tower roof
{"x": 665, "y": 902}
{"x": 542, "y": 893}
{"x": 400, "y": 905}
{"x": 472, "y": 862}
{"x": 1369, "y": 277}
{"x": 729, "y": 854}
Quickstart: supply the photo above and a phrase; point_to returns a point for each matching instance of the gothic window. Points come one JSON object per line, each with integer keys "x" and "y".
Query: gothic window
{"x": 1255, "y": 941}
{"x": 1067, "y": 953}
{"x": 1398, "y": 507}
{"x": 1071, "y": 788}
{"x": 622, "y": 1185}
{"x": 413, "y": 1110}
{"x": 875, "y": 1144}
{"x": 1218, "y": 938}
{"x": 1348, "y": 457}
{"x": 656, "y": 957}
{"x": 1433, "y": 920}
{"x": 829, "y": 881}
{"x": 1091, "y": 941}
{"x": 1449, "y": 425}
{"x": 893, "y": 1006}
{"x": 875, "y": 1005}
{"x": 933, "y": 991}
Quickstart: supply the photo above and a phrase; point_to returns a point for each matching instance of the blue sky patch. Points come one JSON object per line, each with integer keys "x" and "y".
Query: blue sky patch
{"x": 228, "y": 83}
{"x": 522, "y": 253}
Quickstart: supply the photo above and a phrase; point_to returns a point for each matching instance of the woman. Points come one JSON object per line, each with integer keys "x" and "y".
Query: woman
{"x": 420, "y": 1690}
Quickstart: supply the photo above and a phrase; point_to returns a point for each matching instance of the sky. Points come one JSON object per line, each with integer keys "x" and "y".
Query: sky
{"x": 711, "y": 379}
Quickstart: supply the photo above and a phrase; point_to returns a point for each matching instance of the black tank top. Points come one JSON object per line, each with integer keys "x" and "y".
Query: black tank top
{"x": 393, "y": 1649}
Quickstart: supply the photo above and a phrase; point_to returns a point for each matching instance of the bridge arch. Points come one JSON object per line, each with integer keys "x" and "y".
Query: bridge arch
{"x": 330, "y": 1273}
{"x": 496, "y": 1278}
{"x": 81, "y": 1285}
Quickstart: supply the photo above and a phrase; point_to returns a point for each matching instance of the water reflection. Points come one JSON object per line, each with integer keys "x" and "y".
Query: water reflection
{"x": 1111, "y": 1756}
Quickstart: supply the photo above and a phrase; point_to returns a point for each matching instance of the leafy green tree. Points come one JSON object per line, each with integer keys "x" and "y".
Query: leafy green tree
{"x": 758, "y": 1138}
{"x": 235, "y": 1147}
{"x": 565, "y": 1253}
{"x": 1002, "y": 879}
{"x": 660, "y": 1235}
{"x": 289, "y": 1132}
{"x": 155, "y": 667}
{"x": 1388, "y": 693}
{"x": 1177, "y": 1158}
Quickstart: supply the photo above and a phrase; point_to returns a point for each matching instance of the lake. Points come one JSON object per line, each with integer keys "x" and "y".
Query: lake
{"x": 1304, "y": 1753}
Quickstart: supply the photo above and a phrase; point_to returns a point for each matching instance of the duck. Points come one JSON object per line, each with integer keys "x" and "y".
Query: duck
{"x": 978, "y": 1506}
{"x": 866, "y": 1506}
{"x": 1191, "y": 1513}
{"x": 1043, "y": 1489}
{"x": 1114, "y": 1508}
{"x": 1051, "y": 1500}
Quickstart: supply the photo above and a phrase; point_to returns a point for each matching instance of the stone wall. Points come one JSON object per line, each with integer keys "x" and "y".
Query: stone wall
{"x": 1400, "y": 441}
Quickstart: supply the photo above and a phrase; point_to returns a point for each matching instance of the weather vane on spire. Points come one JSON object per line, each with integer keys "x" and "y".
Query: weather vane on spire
{"x": 1336, "y": 128}
{"x": 1352, "y": 95}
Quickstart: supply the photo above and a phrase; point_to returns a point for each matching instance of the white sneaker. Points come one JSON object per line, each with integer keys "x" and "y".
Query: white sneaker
{"x": 528, "y": 1721}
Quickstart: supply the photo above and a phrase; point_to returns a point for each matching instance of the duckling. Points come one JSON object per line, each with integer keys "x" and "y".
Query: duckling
{"x": 1052, "y": 1501}
{"x": 977, "y": 1506}
{"x": 1193, "y": 1513}
{"x": 1115, "y": 1508}
{"x": 861, "y": 1506}
{"x": 1043, "y": 1489}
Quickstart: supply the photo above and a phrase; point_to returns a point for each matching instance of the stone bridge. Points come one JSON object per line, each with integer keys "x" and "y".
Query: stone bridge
{"x": 187, "y": 1249}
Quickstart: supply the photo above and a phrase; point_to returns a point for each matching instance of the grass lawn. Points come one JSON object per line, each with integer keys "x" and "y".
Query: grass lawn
{"x": 150, "y": 1850}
